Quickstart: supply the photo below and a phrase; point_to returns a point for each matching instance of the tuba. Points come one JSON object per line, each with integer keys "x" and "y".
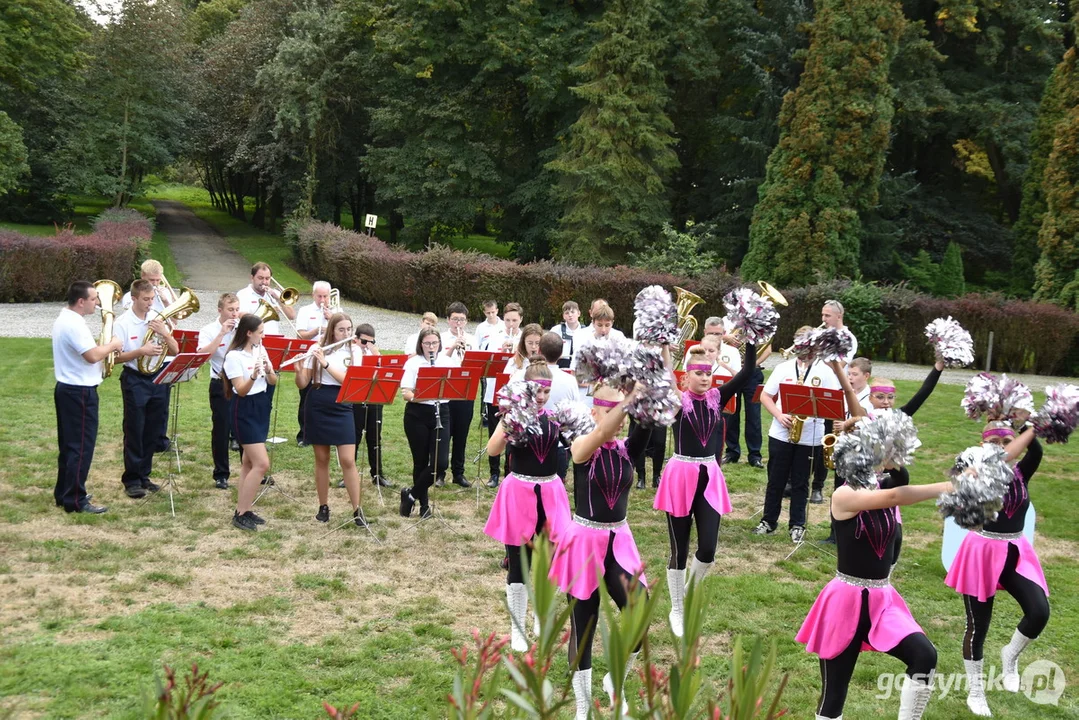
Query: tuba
{"x": 185, "y": 304}
{"x": 685, "y": 301}
{"x": 107, "y": 293}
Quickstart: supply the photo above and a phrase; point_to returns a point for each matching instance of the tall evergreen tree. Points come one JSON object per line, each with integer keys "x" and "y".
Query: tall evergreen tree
{"x": 1056, "y": 275}
{"x": 617, "y": 155}
{"x": 834, "y": 136}
{"x": 950, "y": 279}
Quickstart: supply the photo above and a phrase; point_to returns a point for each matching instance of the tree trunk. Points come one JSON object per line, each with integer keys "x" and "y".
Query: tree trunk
{"x": 119, "y": 201}
{"x": 1009, "y": 196}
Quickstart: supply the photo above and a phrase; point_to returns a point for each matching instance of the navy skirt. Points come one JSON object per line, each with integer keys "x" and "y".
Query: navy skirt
{"x": 249, "y": 417}
{"x": 326, "y": 421}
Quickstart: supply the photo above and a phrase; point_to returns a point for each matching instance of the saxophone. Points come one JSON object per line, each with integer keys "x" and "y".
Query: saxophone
{"x": 828, "y": 441}
{"x": 797, "y": 421}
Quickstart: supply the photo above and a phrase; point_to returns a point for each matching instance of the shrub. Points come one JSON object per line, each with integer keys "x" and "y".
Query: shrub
{"x": 35, "y": 269}
{"x": 889, "y": 321}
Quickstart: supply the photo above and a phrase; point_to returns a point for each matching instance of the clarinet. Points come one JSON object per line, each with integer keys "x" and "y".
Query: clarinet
{"x": 438, "y": 415}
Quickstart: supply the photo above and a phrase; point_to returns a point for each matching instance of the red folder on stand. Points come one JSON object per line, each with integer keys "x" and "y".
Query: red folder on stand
{"x": 500, "y": 380}
{"x": 279, "y": 349}
{"x": 717, "y": 381}
{"x": 188, "y": 340}
{"x": 370, "y": 384}
{"x": 488, "y": 362}
{"x": 385, "y": 361}
{"x": 181, "y": 369}
{"x": 811, "y": 401}
{"x": 442, "y": 383}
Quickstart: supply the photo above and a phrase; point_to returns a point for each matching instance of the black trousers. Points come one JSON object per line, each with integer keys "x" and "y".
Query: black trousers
{"x": 144, "y": 405}
{"x": 820, "y": 470}
{"x": 494, "y": 461}
{"x": 460, "y": 412}
{"x": 219, "y": 430}
{"x": 299, "y": 412}
{"x": 368, "y": 419}
{"x": 787, "y": 462}
{"x": 655, "y": 448}
{"x": 163, "y": 432}
{"x": 753, "y": 420}
{"x": 423, "y": 436}
{"x": 76, "y": 436}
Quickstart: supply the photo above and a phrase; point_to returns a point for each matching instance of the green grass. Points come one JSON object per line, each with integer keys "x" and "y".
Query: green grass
{"x": 92, "y": 606}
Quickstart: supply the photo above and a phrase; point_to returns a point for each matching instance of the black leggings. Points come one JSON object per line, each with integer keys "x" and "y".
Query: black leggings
{"x": 513, "y": 552}
{"x": 586, "y": 612}
{"x": 915, "y": 650}
{"x": 1028, "y": 594}
{"x": 678, "y": 528}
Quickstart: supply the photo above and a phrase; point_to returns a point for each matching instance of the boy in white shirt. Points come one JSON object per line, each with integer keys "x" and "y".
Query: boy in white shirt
{"x": 568, "y": 330}
{"x": 214, "y": 339}
{"x": 491, "y": 325}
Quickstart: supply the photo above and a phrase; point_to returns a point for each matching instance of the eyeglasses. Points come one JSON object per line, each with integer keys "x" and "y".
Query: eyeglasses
{"x": 364, "y": 341}
{"x": 430, "y": 344}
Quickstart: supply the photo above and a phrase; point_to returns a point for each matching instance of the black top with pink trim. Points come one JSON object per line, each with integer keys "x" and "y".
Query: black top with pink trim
{"x": 698, "y": 426}
{"x": 865, "y": 543}
{"x": 538, "y": 455}
{"x": 601, "y": 484}
{"x": 1012, "y": 516}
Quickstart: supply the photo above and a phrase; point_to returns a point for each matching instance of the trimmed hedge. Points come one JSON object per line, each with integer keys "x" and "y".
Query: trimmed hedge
{"x": 889, "y": 321}
{"x": 35, "y": 269}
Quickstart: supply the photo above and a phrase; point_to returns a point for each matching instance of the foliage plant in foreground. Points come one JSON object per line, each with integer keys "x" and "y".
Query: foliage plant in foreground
{"x": 191, "y": 699}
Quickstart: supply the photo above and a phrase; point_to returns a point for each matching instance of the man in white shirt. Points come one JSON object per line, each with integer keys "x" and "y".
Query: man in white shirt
{"x": 76, "y": 360}
{"x": 600, "y": 331}
{"x": 368, "y": 417}
{"x": 831, "y": 316}
{"x": 568, "y": 330}
{"x": 455, "y": 342}
{"x": 311, "y": 321}
{"x": 506, "y": 341}
{"x": 787, "y": 460}
{"x": 144, "y": 402}
{"x": 215, "y": 339}
{"x": 261, "y": 289}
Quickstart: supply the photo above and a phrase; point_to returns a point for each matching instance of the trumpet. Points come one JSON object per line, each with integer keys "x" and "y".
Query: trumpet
{"x": 462, "y": 345}
{"x": 786, "y": 352}
{"x": 311, "y": 353}
{"x": 185, "y": 304}
{"x": 107, "y": 292}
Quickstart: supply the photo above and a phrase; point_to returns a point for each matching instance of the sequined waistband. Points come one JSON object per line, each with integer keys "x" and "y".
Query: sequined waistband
{"x": 694, "y": 459}
{"x": 998, "y": 536}
{"x": 864, "y": 582}
{"x": 598, "y": 525}
{"x": 535, "y": 478}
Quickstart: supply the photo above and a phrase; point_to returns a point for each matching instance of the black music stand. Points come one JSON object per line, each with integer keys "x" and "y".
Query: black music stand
{"x": 182, "y": 368}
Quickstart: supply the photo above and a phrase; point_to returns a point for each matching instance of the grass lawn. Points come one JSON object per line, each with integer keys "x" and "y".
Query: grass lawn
{"x": 92, "y": 606}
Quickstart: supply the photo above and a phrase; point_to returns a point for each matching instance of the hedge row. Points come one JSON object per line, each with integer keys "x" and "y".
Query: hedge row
{"x": 35, "y": 269}
{"x": 889, "y": 321}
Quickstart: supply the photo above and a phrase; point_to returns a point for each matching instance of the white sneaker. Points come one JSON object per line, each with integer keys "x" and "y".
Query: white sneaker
{"x": 764, "y": 529}
{"x": 797, "y": 534}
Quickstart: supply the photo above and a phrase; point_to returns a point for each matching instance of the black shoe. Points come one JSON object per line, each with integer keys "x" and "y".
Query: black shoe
{"x": 730, "y": 459}
{"x": 267, "y": 480}
{"x": 151, "y": 487}
{"x": 493, "y": 482}
{"x": 817, "y": 498}
{"x": 135, "y": 492}
{"x": 381, "y": 481}
{"x": 425, "y": 512}
{"x": 250, "y": 515}
{"x": 504, "y": 563}
{"x": 407, "y": 503}
{"x": 300, "y": 443}
{"x": 756, "y": 463}
{"x": 655, "y": 482}
{"x": 242, "y": 522}
{"x": 323, "y": 514}
{"x": 221, "y": 483}
{"x": 460, "y": 480}
{"x": 164, "y": 446}
{"x": 830, "y": 540}
{"x": 440, "y": 481}
{"x": 640, "y": 483}
{"x": 87, "y": 507}
{"x": 86, "y": 499}
{"x": 358, "y": 517}
{"x": 234, "y": 446}
{"x": 340, "y": 483}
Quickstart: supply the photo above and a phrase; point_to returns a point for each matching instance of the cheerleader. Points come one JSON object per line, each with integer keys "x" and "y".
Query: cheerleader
{"x": 531, "y": 496}
{"x": 598, "y": 541}
{"x": 692, "y": 488}
{"x": 426, "y": 423}
{"x": 327, "y": 422}
{"x": 248, "y": 373}
{"x": 997, "y": 557}
{"x": 525, "y": 345}
{"x": 859, "y": 609}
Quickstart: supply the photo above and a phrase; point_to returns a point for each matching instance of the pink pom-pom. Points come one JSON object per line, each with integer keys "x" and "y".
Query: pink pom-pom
{"x": 952, "y": 343}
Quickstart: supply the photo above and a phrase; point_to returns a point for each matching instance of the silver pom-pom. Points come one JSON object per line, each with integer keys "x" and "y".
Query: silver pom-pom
{"x": 751, "y": 313}
{"x": 656, "y": 404}
{"x": 890, "y": 438}
{"x": 656, "y": 315}
{"x": 519, "y": 410}
{"x": 1059, "y": 416}
{"x": 952, "y": 343}
{"x": 832, "y": 344}
{"x": 804, "y": 343}
{"x": 1000, "y": 398}
{"x": 608, "y": 362}
{"x": 574, "y": 419}
{"x": 981, "y": 477}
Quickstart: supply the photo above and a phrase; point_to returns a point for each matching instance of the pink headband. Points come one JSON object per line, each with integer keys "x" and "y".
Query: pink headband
{"x": 699, "y": 366}
{"x": 882, "y": 388}
{"x": 604, "y": 403}
{"x": 541, "y": 381}
{"x": 998, "y": 432}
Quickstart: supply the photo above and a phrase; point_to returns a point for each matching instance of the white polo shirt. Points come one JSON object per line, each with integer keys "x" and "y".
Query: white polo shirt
{"x": 484, "y": 331}
{"x": 249, "y": 303}
{"x": 819, "y": 375}
{"x": 412, "y": 372}
{"x": 132, "y": 332}
{"x": 448, "y": 339}
{"x": 241, "y": 364}
{"x": 217, "y": 355}
{"x": 125, "y": 302}
{"x": 70, "y": 339}
{"x": 310, "y": 317}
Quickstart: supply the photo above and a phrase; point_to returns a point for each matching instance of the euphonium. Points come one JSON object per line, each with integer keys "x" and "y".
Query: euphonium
{"x": 266, "y": 312}
{"x": 797, "y": 423}
{"x": 685, "y": 301}
{"x": 186, "y": 304}
{"x": 828, "y": 442}
{"x": 107, "y": 293}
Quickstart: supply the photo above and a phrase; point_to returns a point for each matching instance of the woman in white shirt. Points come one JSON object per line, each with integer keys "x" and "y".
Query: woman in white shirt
{"x": 326, "y": 422}
{"x": 248, "y": 373}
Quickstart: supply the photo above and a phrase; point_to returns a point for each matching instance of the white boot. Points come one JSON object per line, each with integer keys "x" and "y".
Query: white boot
{"x": 976, "y": 689}
{"x": 517, "y": 602}
{"x": 535, "y": 624}
{"x": 697, "y": 571}
{"x": 676, "y": 586}
{"x": 1009, "y": 660}
{"x": 608, "y": 685}
{"x": 582, "y": 692}
{"x": 913, "y": 698}
{"x": 821, "y": 717}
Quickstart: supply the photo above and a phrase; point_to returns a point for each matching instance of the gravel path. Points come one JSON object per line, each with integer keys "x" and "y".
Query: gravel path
{"x": 212, "y": 267}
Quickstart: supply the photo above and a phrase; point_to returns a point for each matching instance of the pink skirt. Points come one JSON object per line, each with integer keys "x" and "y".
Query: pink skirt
{"x": 980, "y": 560}
{"x": 578, "y": 560}
{"x": 514, "y": 512}
{"x": 678, "y": 485}
{"x": 833, "y": 619}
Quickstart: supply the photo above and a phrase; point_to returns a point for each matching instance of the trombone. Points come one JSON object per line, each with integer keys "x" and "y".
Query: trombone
{"x": 289, "y": 296}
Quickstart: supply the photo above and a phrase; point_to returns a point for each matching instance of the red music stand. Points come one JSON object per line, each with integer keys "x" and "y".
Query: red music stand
{"x": 688, "y": 344}
{"x": 443, "y": 383}
{"x": 816, "y": 402}
{"x": 280, "y": 348}
{"x": 188, "y": 340}
{"x": 500, "y": 381}
{"x": 717, "y": 381}
{"x": 370, "y": 384}
{"x": 385, "y": 361}
{"x": 489, "y": 362}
